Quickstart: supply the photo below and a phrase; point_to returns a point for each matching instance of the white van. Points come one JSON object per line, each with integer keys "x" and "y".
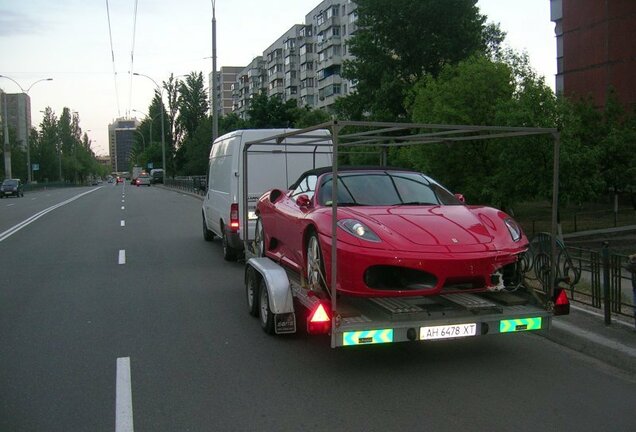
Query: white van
{"x": 269, "y": 166}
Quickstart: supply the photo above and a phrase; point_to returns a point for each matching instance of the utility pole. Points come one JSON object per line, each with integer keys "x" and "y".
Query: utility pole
{"x": 215, "y": 112}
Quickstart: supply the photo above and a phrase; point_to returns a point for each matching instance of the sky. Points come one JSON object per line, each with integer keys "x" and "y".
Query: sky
{"x": 70, "y": 41}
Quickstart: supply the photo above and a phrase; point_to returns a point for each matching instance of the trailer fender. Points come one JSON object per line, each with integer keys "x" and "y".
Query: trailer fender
{"x": 277, "y": 283}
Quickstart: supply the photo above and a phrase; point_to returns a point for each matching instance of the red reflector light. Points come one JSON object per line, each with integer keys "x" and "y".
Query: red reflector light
{"x": 319, "y": 321}
{"x": 234, "y": 217}
{"x": 561, "y": 303}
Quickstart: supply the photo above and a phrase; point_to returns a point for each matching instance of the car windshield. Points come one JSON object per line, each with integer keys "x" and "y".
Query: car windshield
{"x": 385, "y": 188}
{"x": 10, "y": 182}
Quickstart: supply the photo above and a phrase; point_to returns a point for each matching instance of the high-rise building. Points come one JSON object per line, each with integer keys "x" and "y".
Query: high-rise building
{"x": 226, "y": 80}
{"x": 596, "y": 49}
{"x": 121, "y": 137}
{"x": 250, "y": 82}
{"x": 305, "y": 62}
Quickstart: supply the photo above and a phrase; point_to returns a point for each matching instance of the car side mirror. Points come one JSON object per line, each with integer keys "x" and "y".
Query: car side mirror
{"x": 303, "y": 201}
{"x": 460, "y": 197}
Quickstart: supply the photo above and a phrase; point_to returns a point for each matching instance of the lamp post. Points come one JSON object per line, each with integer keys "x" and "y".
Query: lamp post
{"x": 152, "y": 119}
{"x": 163, "y": 134}
{"x": 215, "y": 113}
{"x": 28, "y": 131}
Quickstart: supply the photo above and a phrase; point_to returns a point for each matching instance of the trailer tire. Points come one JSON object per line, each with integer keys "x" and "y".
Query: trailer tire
{"x": 252, "y": 290}
{"x": 266, "y": 315}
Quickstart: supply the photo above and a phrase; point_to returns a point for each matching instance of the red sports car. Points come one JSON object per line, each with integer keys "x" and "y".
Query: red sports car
{"x": 400, "y": 233}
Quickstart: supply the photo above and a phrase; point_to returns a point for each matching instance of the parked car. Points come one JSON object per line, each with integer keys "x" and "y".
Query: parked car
{"x": 143, "y": 179}
{"x": 11, "y": 187}
{"x": 156, "y": 175}
{"x": 400, "y": 233}
{"x": 270, "y": 167}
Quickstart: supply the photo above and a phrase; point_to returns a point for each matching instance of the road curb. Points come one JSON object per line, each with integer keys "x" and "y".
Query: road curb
{"x": 594, "y": 344}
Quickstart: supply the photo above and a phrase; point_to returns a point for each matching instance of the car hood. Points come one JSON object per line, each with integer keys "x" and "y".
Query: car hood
{"x": 409, "y": 226}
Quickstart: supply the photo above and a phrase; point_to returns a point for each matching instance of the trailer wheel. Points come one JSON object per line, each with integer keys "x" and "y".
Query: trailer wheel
{"x": 266, "y": 314}
{"x": 251, "y": 290}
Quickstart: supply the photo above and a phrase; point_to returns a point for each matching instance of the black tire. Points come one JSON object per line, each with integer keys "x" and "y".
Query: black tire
{"x": 259, "y": 238}
{"x": 229, "y": 253}
{"x": 314, "y": 265}
{"x": 207, "y": 234}
{"x": 252, "y": 283}
{"x": 266, "y": 315}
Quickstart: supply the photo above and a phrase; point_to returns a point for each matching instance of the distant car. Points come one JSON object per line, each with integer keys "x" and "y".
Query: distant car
{"x": 120, "y": 180}
{"x": 111, "y": 180}
{"x": 156, "y": 175}
{"x": 11, "y": 187}
{"x": 143, "y": 179}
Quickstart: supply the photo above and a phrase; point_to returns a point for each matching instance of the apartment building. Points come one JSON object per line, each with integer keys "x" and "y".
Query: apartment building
{"x": 226, "y": 80}
{"x": 250, "y": 82}
{"x": 596, "y": 49}
{"x": 305, "y": 62}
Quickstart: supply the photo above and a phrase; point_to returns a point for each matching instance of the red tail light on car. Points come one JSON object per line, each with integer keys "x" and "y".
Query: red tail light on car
{"x": 234, "y": 217}
{"x": 319, "y": 321}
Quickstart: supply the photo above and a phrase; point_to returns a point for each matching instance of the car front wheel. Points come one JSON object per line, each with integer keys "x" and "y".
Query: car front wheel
{"x": 315, "y": 265}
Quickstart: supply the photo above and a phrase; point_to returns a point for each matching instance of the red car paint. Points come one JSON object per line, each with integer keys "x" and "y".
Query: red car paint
{"x": 423, "y": 249}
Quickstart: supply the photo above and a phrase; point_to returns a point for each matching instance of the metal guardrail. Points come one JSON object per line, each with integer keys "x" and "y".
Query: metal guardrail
{"x": 600, "y": 279}
{"x": 192, "y": 184}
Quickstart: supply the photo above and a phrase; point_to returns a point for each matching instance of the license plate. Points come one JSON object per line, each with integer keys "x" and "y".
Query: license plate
{"x": 448, "y": 331}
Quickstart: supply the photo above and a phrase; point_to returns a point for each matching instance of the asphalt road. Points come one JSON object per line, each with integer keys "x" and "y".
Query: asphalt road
{"x": 77, "y": 320}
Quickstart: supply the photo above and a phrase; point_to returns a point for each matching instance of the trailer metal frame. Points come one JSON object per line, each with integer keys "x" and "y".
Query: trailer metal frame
{"x": 382, "y": 135}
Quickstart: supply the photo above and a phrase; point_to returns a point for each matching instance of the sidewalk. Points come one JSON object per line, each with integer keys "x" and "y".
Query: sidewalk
{"x": 586, "y": 332}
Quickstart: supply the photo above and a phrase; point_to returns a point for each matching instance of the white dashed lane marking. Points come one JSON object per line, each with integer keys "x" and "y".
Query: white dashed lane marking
{"x": 123, "y": 397}
{"x": 122, "y": 256}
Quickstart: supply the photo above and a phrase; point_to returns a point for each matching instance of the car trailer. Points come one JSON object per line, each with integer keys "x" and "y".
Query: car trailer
{"x": 276, "y": 295}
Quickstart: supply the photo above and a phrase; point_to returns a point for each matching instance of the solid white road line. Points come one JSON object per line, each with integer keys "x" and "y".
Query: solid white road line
{"x": 123, "y": 223}
{"x": 122, "y": 256}
{"x": 14, "y": 229}
{"x": 123, "y": 397}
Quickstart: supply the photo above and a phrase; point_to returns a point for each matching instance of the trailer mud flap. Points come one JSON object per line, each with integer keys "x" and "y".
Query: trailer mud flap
{"x": 285, "y": 323}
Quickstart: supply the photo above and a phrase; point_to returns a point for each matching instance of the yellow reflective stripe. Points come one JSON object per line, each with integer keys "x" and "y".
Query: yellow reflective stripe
{"x": 367, "y": 337}
{"x": 523, "y": 324}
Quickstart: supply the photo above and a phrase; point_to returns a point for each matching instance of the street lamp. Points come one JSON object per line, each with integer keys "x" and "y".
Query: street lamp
{"x": 28, "y": 132}
{"x": 152, "y": 119}
{"x": 163, "y": 134}
{"x": 215, "y": 114}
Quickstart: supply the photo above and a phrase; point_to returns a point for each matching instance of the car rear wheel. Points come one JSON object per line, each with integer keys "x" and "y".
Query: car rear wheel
{"x": 229, "y": 253}
{"x": 315, "y": 265}
{"x": 266, "y": 315}
{"x": 259, "y": 238}
{"x": 207, "y": 234}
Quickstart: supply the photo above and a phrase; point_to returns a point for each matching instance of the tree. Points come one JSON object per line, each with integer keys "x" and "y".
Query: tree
{"x": 266, "y": 112}
{"x": 388, "y": 61}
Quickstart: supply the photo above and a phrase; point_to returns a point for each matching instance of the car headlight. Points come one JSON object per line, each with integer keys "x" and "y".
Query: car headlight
{"x": 358, "y": 229}
{"x": 514, "y": 229}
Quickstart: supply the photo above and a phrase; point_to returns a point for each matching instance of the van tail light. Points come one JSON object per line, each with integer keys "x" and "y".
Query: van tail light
{"x": 234, "y": 217}
{"x": 319, "y": 320}
{"x": 561, "y": 302}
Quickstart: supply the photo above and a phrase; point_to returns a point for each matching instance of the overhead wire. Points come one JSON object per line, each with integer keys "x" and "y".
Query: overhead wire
{"x": 112, "y": 53}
